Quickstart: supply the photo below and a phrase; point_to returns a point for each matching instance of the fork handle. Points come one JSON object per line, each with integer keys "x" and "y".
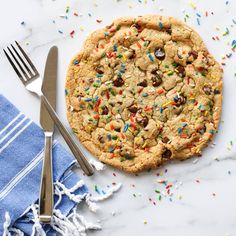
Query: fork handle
{"x": 46, "y": 186}
{"x": 83, "y": 162}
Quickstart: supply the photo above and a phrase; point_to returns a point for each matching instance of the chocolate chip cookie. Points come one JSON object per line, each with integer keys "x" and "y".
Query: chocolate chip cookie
{"x": 143, "y": 91}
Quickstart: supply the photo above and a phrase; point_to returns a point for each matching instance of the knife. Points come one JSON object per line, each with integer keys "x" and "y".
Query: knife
{"x": 49, "y": 91}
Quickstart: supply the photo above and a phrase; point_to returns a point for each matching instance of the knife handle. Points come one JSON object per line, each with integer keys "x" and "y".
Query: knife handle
{"x": 83, "y": 162}
{"x": 46, "y": 186}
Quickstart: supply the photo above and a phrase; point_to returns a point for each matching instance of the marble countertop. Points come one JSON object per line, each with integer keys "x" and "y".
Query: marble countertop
{"x": 203, "y": 192}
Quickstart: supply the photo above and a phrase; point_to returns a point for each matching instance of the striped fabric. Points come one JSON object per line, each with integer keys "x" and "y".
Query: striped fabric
{"x": 21, "y": 153}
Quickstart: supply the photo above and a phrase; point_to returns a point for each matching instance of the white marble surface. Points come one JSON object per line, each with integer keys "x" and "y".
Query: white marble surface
{"x": 198, "y": 212}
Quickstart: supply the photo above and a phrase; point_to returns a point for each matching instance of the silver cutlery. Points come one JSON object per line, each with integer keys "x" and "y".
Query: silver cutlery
{"x": 31, "y": 79}
{"x": 49, "y": 91}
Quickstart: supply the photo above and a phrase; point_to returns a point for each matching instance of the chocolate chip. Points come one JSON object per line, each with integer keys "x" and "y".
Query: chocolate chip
{"x": 128, "y": 157}
{"x": 99, "y": 69}
{"x": 181, "y": 71}
{"x": 133, "y": 109}
{"x": 143, "y": 121}
{"x": 118, "y": 82}
{"x": 143, "y": 83}
{"x": 105, "y": 110}
{"x": 138, "y": 27}
{"x": 179, "y": 100}
{"x": 194, "y": 54}
{"x": 156, "y": 81}
{"x": 154, "y": 71}
{"x": 166, "y": 154}
{"x": 165, "y": 140}
{"x": 216, "y": 91}
{"x": 117, "y": 129}
{"x": 131, "y": 54}
{"x": 159, "y": 54}
{"x": 101, "y": 139}
{"x": 207, "y": 89}
{"x": 179, "y": 54}
{"x": 169, "y": 30}
{"x": 90, "y": 80}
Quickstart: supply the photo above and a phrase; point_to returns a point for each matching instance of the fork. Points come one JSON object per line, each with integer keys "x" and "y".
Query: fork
{"x": 32, "y": 81}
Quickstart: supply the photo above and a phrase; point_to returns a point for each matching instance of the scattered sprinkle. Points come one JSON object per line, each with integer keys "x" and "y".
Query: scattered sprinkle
{"x": 126, "y": 127}
{"x": 88, "y": 99}
{"x": 192, "y": 5}
{"x": 150, "y": 57}
{"x": 72, "y": 34}
{"x": 67, "y": 9}
{"x": 160, "y": 25}
{"x": 198, "y": 21}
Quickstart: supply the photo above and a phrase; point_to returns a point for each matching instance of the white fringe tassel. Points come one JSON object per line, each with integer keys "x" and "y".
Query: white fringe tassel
{"x": 90, "y": 200}
{"x": 37, "y": 227}
{"x": 61, "y": 189}
{"x": 71, "y": 225}
{"x": 99, "y": 166}
{"x": 6, "y": 225}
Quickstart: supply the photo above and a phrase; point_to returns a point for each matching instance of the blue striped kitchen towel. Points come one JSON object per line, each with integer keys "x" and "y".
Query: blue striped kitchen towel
{"x": 21, "y": 153}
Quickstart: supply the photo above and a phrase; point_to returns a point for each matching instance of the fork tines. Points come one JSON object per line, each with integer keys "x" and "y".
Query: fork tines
{"x": 21, "y": 63}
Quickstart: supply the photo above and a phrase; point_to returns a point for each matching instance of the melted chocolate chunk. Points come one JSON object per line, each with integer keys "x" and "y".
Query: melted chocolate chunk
{"x": 179, "y": 54}
{"x": 128, "y": 157}
{"x": 99, "y": 69}
{"x": 181, "y": 71}
{"x": 165, "y": 140}
{"x": 169, "y": 30}
{"x": 166, "y": 154}
{"x": 154, "y": 71}
{"x": 138, "y": 27}
{"x": 207, "y": 89}
{"x": 101, "y": 139}
{"x": 179, "y": 100}
{"x": 105, "y": 110}
{"x": 143, "y": 83}
{"x": 156, "y": 81}
{"x": 118, "y": 82}
{"x": 216, "y": 91}
{"x": 143, "y": 121}
{"x": 133, "y": 109}
{"x": 90, "y": 80}
{"x": 159, "y": 54}
{"x": 132, "y": 54}
{"x": 117, "y": 129}
{"x": 194, "y": 54}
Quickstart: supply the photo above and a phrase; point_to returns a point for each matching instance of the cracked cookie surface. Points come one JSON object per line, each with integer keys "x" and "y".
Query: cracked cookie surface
{"x": 144, "y": 91}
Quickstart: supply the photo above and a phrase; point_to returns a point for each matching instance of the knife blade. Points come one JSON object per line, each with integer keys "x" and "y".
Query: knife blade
{"x": 49, "y": 91}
